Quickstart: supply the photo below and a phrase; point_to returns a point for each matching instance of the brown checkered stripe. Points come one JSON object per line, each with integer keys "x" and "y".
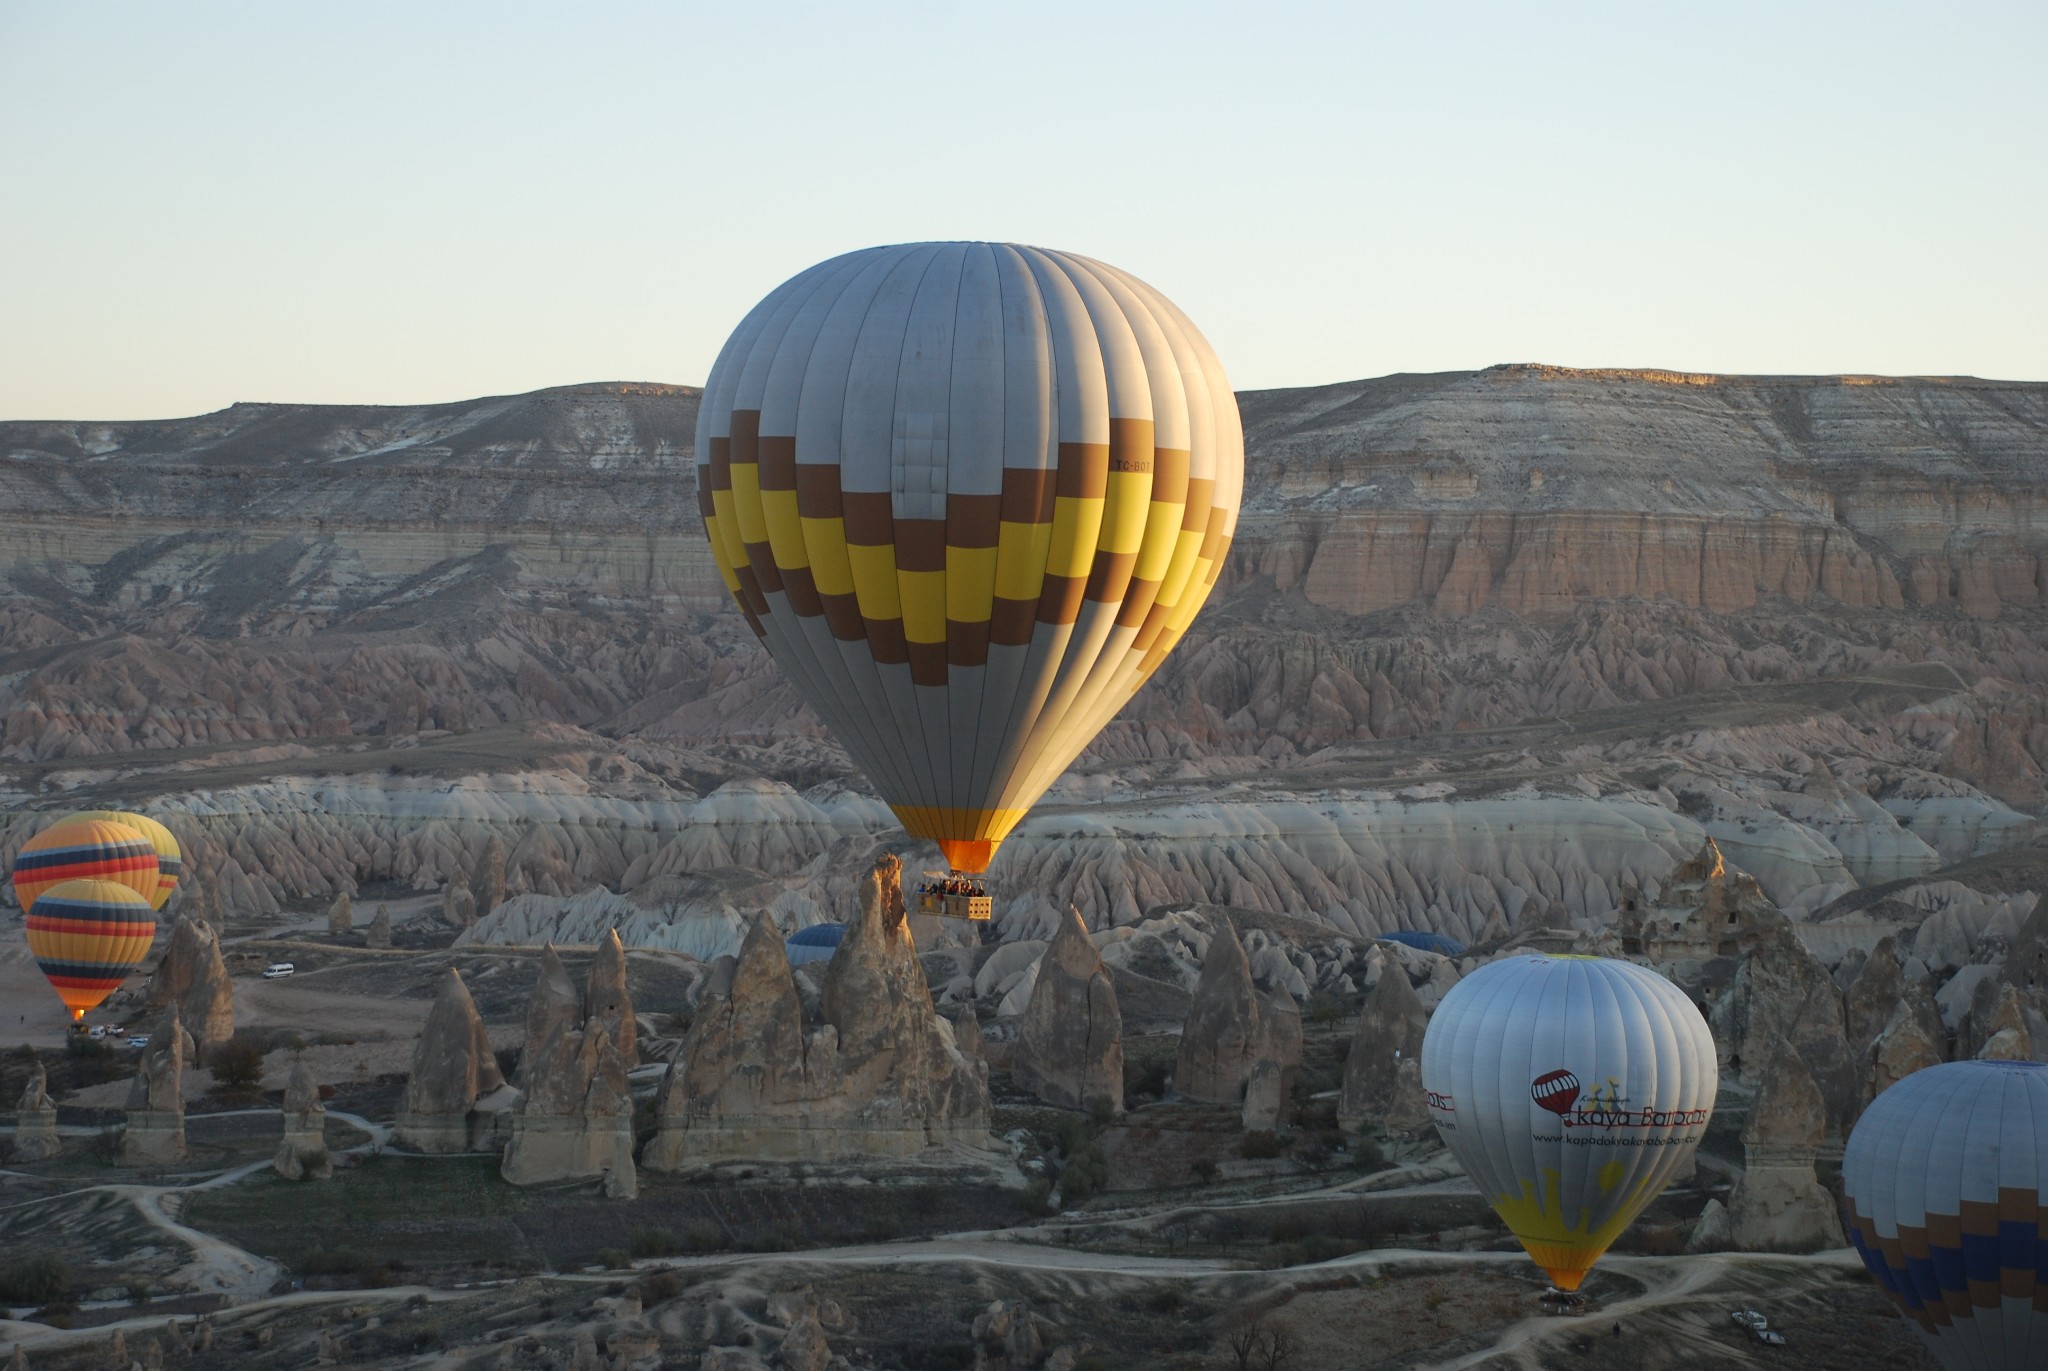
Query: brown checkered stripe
{"x": 1916, "y": 1248}
{"x": 1096, "y": 567}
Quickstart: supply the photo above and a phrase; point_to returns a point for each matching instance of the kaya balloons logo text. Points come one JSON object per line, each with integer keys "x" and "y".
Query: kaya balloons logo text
{"x": 1605, "y": 1108}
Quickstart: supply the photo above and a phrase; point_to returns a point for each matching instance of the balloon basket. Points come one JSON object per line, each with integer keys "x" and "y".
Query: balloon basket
{"x": 954, "y": 895}
{"x": 1563, "y": 1303}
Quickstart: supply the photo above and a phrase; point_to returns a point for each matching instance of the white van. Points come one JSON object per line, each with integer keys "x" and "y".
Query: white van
{"x": 278, "y": 970}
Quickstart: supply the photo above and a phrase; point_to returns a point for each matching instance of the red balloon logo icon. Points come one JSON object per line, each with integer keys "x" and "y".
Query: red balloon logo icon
{"x": 1557, "y": 1091}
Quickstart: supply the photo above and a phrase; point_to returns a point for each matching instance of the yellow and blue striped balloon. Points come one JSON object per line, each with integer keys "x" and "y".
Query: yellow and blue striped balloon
{"x": 87, "y": 937}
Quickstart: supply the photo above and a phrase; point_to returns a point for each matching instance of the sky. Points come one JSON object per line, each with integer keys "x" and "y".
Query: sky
{"x": 364, "y": 203}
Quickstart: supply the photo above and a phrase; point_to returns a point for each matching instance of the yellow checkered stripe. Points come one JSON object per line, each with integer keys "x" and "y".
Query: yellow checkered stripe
{"x": 1119, "y": 524}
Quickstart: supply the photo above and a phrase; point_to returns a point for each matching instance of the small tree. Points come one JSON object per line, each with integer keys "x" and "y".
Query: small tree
{"x": 236, "y": 1064}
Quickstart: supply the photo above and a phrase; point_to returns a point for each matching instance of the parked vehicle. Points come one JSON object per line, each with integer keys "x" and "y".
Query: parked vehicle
{"x": 139, "y": 1040}
{"x": 278, "y": 970}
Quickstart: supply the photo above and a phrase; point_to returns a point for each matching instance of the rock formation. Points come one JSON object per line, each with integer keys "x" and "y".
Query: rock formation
{"x": 552, "y": 1007}
{"x": 154, "y": 1133}
{"x": 1070, "y": 1050}
{"x": 1873, "y": 996}
{"x": 458, "y": 905}
{"x": 380, "y": 928}
{"x": 1388, "y": 1037}
{"x": 193, "y": 977}
{"x": 608, "y": 1000}
{"x": 880, "y": 1076}
{"x": 1779, "y": 1205}
{"x": 1907, "y": 1044}
{"x": 1998, "y": 1024}
{"x": 341, "y": 916}
{"x": 576, "y": 1122}
{"x": 35, "y": 1120}
{"x": 1783, "y": 996}
{"x": 490, "y": 876}
{"x": 452, "y": 1067}
{"x": 1231, "y": 1029}
{"x": 302, "y": 1154}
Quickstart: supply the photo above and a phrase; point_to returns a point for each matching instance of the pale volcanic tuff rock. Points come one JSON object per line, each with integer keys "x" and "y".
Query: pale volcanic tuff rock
{"x": 576, "y": 1122}
{"x": 194, "y": 978}
{"x": 1070, "y": 1049}
{"x": 452, "y": 1068}
{"x": 609, "y": 1002}
{"x": 35, "y": 1120}
{"x": 553, "y": 1006}
{"x": 1382, "y": 1072}
{"x": 880, "y": 1076}
{"x": 1783, "y": 998}
{"x": 1231, "y": 1030}
{"x": 302, "y": 1153}
{"x": 1779, "y": 1205}
{"x": 154, "y": 1131}
{"x": 279, "y": 575}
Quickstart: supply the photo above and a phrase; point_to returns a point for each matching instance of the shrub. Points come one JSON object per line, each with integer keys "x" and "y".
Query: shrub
{"x": 1036, "y": 1198}
{"x": 1260, "y": 1146}
{"x": 1085, "y": 1174}
{"x": 653, "y": 1242}
{"x": 1205, "y": 1170}
{"x": 614, "y": 1259}
{"x": 704, "y": 1237}
{"x": 236, "y": 1064}
{"x": 34, "y": 1280}
{"x": 658, "y": 1286}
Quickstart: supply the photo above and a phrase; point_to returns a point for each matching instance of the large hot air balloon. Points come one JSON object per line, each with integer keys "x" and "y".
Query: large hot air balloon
{"x": 1945, "y": 1187}
{"x": 1571, "y": 1089}
{"x": 969, "y": 495}
{"x": 170, "y": 858}
{"x": 85, "y": 849}
{"x": 87, "y": 936}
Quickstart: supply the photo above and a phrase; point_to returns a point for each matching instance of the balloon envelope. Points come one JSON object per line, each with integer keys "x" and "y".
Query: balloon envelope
{"x": 1945, "y": 1192}
{"x": 170, "y": 858}
{"x": 1571, "y": 1089}
{"x": 969, "y": 495}
{"x": 87, "y": 936}
{"x": 85, "y": 849}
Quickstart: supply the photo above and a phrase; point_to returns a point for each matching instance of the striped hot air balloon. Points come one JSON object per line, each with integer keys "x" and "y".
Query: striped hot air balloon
{"x": 87, "y": 936}
{"x": 1945, "y": 1188}
{"x": 969, "y": 495}
{"x": 170, "y": 858}
{"x": 85, "y": 850}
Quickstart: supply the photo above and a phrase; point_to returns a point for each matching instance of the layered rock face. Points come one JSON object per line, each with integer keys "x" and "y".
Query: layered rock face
{"x": 302, "y": 1153}
{"x": 880, "y": 1075}
{"x": 154, "y": 1133}
{"x": 194, "y": 978}
{"x": 35, "y": 1120}
{"x": 1798, "y": 615}
{"x": 452, "y": 1068}
{"x": 1070, "y": 1050}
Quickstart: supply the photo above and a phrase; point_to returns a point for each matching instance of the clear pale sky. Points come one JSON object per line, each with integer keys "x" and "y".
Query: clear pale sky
{"x": 204, "y": 203}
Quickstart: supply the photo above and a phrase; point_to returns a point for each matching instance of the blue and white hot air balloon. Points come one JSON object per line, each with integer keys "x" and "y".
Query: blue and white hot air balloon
{"x": 1945, "y": 1193}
